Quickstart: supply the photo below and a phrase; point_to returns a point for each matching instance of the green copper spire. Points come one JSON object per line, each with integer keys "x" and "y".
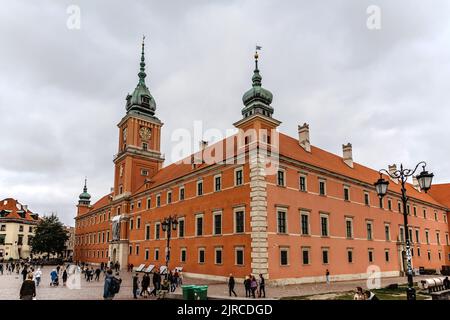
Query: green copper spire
{"x": 141, "y": 102}
{"x": 142, "y": 73}
{"x": 85, "y": 197}
{"x": 257, "y": 99}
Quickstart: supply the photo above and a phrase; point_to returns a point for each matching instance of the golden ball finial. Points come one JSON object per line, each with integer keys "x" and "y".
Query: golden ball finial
{"x": 256, "y": 56}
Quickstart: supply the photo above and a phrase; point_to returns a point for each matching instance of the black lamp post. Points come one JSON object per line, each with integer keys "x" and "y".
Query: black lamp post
{"x": 170, "y": 223}
{"x": 424, "y": 179}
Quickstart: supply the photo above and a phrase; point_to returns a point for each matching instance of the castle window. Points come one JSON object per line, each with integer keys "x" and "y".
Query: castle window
{"x": 144, "y": 172}
{"x": 199, "y": 188}
{"x": 145, "y": 100}
{"x": 346, "y": 193}
{"x": 280, "y": 178}
{"x": 302, "y": 183}
{"x": 217, "y": 183}
{"x": 281, "y": 218}
{"x": 218, "y": 255}
{"x": 322, "y": 189}
{"x": 284, "y": 253}
{"x": 239, "y": 221}
{"x": 201, "y": 255}
{"x": 181, "y": 228}
{"x": 239, "y": 256}
{"x": 144, "y": 146}
{"x": 169, "y": 197}
{"x": 199, "y": 225}
{"x": 183, "y": 255}
{"x": 366, "y": 199}
{"x": 181, "y": 193}
{"x": 238, "y": 177}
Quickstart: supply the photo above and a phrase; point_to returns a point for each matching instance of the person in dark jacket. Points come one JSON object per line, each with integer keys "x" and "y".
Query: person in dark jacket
{"x": 156, "y": 283}
{"x": 135, "y": 285}
{"x": 24, "y": 273}
{"x": 247, "y": 286}
{"x": 144, "y": 285}
{"x": 262, "y": 286}
{"x": 64, "y": 277}
{"x": 107, "y": 288}
{"x": 370, "y": 295}
{"x": 28, "y": 289}
{"x": 97, "y": 274}
{"x": 446, "y": 283}
{"x": 231, "y": 283}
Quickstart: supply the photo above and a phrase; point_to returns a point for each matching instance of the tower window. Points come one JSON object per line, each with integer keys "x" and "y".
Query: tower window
{"x": 144, "y": 146}
{"x": 144, "y": 172}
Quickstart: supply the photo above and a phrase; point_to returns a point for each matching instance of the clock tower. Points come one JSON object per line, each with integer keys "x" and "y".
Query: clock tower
{"x": 139, "y": 156}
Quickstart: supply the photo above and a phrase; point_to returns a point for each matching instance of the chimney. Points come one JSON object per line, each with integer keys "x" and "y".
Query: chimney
{"x": 303, "y": 137}
{"x": 203, "y": 144}
{"x": 392, "y": 169}
{"x": 416, "y": 183}
{"x": 347, "y": 154}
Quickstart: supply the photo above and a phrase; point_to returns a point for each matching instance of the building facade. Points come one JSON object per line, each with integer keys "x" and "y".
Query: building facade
{"x": 256, "y": 202}
{"x": 17, "y": 228}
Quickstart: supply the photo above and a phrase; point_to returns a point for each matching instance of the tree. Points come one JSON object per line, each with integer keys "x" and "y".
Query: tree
{"x": 50, "y": 236}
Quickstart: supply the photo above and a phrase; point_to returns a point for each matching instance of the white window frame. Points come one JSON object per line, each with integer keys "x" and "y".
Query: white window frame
{"x": 306, "y": 213}
{"x": 284, "y": 177}
{"x": 184, "y": 228}
{"x": 179, "y": 193}
{"x": 236, "y": 249}
{"x": 235, "y": 176}
{"x": 235, "y": 211}
{"x": 348, "y": 192}
{"x": 286, "y": 249}
{"x": 169, "y": 195}
{"x": 324, "y": 215}
{"x": 203, "y": 188}
{"x": 217, "y": 213}
{"x": 301, "y": 175}
{"x": 181, "y": 255}
{"x": 214, "y": 182}
{"x": 351, "y": 227}
{"x": 204, "y": 255}
{"x": 216, "y": 249}
{"x": 197, "y": 216}
{"x": 285, "y": 211}
{"x": 324, "y": 186}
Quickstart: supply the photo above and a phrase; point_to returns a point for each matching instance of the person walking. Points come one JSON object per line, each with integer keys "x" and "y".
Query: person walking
{"x": 446, "y": 283}
{"x": 37, "y": 276}
{"x": 327, "y": 276}
{"x": 144, "y": 285}
{"x": 1, "y": 268}
{"x": 247, "y": 286}
{"x": 253, "y": 286}
{"x": 108, "y": 288}
{"x": 156, "y": 283}
{"x": 135, "y": 285}
{"x": 97, "y": 274}
{"x": 231, "y": 284}
{"x": 28, "y": 289}
{"x": 24, "y": 272}
{"x": 64, "y": 277}
{"x": 262, "y": 286}
{"x": 58, "y": 268}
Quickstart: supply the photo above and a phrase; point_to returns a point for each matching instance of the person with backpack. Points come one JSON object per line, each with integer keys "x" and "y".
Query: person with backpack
{"x": 253, "y": 286}
{"x": 112, "y": 285}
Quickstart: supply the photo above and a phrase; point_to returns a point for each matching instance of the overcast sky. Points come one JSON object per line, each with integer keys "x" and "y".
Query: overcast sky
{"x": 62, "y": 91}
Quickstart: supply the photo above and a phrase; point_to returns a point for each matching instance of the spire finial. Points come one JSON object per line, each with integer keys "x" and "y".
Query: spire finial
{"x": 142, "y": 73}
{"x": 85, "y": 184}
{"x": 256, "y": 79}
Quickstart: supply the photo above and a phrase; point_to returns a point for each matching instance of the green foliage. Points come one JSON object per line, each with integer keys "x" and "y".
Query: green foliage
{"x": 50, "y": 236}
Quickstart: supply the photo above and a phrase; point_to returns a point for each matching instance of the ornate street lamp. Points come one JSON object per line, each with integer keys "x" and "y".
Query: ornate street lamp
{"x": 424, "y": 179}
{"x": 170, "y": 223}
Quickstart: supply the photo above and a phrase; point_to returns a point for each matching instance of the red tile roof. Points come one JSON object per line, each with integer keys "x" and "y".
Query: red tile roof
{"x": 290, "y": 148}
{"x": 441, "y": 192}
{"x": 11, "y": 207}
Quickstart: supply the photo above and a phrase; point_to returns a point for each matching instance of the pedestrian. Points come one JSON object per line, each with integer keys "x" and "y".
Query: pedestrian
{"x": 370, "y": 295}
{"x": 97, "y": 274}
{"x": 231, "y": 283}
{"x": 112, "y": 285}
{"x": 446, "y": 283}
{"x": 156, "y": 282}
{"x": 1, "y": 268}
{"x": 144, "y": 285}
{"x": 57, "y": 269}
{"x": 24, "y": 273}
{"x": 262, "y": 286}
{"x": 247, "y": 286}
{"x": 359, "y": 294}
{"x": 253, "y": 286}
{"x": 327, "y": 276}
{"x": 54, "y": 278}
{"x": 135, "y": 285}
{"x": 37, "y": 276}
{"x": 28, "y": 289}
{"x": 176, "y": 277}
{"x": 64, "y": 277}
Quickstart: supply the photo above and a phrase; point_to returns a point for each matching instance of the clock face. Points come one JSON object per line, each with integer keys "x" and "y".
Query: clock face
{"x": 145, "y": 133}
